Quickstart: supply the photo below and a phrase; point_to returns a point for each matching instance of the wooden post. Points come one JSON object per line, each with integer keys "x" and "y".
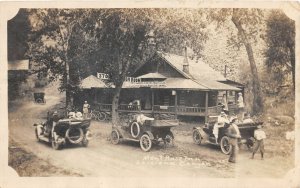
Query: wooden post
{"x": 175, "y": 104}
{"x": 206, "y": 106}
{"x": 152, "y": 101}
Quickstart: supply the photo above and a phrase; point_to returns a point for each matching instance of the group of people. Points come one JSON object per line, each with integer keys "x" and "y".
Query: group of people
{"x": 234, "y": 134}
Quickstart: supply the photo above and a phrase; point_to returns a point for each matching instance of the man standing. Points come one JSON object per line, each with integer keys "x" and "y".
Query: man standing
{"x": 259, "y": 136}
{"x": 234, "y": 134}
{"x": 85, "y": 110}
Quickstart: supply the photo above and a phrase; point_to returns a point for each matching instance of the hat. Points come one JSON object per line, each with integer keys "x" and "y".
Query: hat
{"x": 240, "y": 93}
{"x": 55, "y": 113}
{"x": 259, "y": 126}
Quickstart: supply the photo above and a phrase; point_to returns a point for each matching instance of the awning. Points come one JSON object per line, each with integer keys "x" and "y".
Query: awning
{"x": 215, "y": 85}
{"x": 92, "y": 82}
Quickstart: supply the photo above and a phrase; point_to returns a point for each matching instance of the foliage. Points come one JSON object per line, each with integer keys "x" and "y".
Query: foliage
{"x": 247, "y": 23}
{"x": 280, "y": 37}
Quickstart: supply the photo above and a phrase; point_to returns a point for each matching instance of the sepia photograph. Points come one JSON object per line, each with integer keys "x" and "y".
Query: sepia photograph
{"x": 152, "y": 92}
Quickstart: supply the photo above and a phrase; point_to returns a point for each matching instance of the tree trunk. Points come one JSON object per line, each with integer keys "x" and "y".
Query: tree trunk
{"x": 292, "y": 52}
{"x": 115, "y": 104}
{"x": 257, "y": 101}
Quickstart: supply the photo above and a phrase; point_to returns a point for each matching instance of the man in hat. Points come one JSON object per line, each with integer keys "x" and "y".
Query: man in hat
{"x": 240, "y": 106}
{"x": 234, "y": 134}
{"x": 222, "y": 119}
{"x": 259, "y": 136}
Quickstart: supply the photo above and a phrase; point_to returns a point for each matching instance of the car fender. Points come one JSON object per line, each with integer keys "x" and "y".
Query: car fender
{"x": 202, "y": 133}
{"x": 149, "y": 134}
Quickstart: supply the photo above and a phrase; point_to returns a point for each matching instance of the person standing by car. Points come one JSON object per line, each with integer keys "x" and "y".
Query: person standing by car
{"x": 240, "y": 106}
{"x": 259, "y": 136}
{"x": 234, "y": 134}
{"x": 222, "y": 119}
{"x": 85, "y": 110}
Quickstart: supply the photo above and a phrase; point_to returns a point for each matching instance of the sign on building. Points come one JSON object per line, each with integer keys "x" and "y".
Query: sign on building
{"x": 102, "y": 76}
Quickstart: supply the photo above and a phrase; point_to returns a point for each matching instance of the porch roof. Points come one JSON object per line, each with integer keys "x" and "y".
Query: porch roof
{"x": 92, "y": 82}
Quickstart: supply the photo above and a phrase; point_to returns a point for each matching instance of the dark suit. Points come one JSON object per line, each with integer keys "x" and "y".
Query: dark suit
{"x": 234, "y": 135}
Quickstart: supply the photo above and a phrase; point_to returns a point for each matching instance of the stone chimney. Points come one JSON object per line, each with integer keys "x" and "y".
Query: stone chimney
{"x": 185, "y": 62}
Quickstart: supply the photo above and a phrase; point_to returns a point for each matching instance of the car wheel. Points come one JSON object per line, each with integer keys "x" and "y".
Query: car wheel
{"x": 115, "y": 137}
{"x": 225, "y": 146}
{"x": 250, "y": 143}
{"x": 197, "y": 137}
{"x": 145, "y": 142}
{"x": 135, "y": 129}
{"x": 169, "y": 139}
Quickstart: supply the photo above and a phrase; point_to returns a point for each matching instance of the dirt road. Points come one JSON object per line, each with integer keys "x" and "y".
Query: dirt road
{"x": 101, "y": 158}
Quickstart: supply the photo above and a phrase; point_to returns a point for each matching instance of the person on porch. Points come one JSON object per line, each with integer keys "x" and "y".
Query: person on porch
{"x": 225, "y": 104}
{"x": 222, "y": 119}
{"x": 85, "y": 109}
{"x": 240, "y": 107}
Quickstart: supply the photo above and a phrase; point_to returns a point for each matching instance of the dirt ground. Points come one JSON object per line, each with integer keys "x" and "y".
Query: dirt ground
{"x": 31, "y": 158}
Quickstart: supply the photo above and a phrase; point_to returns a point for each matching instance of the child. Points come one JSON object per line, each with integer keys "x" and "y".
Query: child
{"x": 259, "y": 136}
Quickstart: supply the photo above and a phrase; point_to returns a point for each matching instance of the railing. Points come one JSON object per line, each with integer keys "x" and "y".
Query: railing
{"x": 165, "y": 109}
{"x": 181, "y": 110}
{"x": 187, "y": 109}
{"x": 128, "y": 107}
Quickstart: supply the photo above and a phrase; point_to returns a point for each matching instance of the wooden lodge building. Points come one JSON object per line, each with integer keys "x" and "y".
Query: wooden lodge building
{"x": 167, "y": 84}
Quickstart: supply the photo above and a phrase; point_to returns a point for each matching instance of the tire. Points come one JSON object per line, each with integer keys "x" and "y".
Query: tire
{"x": 145, "y": 143}
{"x": 55, "y": 145}
{"x": 115, "y": 137}
{"x": 38, "y": 100}
{"x": 169, "y": 140}
{"x": 225, "y": 146}
{"x": 102, "y": 116}
{"x": 135, "y": 133}
{"x": 74, "y": 139}
{"x": 197, "y": 137}
{"x": 250, "y": 143}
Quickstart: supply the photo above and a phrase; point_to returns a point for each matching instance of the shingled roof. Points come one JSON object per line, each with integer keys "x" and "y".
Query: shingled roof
{"x": 199, "y": 72}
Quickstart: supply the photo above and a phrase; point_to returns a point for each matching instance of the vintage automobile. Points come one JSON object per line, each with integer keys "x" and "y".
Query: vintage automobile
{"x": 147, "y": 131}
{"x": 39, "y": 97}
{"x": 204, "y": 134}
{"x": 59, "y": 131}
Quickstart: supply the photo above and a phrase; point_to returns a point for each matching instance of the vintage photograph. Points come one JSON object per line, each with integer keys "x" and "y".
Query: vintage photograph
{"x": 151, "y": 92}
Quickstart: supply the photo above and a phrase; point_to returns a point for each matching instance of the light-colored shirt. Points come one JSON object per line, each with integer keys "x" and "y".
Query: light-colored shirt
{"x": 259, "y": 134}
{"x": 240, "y": 102}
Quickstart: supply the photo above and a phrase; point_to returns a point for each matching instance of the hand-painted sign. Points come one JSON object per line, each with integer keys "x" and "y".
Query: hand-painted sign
{"x": 102, "y": 76}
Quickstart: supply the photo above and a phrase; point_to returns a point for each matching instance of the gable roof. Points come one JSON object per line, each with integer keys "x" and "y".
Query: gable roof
{"x": 199, "y": 72}
{"x": 92, "y": 82}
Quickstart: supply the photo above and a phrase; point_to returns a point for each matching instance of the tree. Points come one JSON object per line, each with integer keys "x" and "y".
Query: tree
{"x": 113, "y": 41}
{"x": 52, "y": 33}
{"x": 122, "y": 38}
{"x": 280, "y": 38}
{"x": 246, "y": 21}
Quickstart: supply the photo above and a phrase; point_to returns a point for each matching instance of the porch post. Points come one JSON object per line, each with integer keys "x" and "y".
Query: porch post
{"x": 206, "y": 106}
{"x": 152, "y": 101}
{"x": 175, "y": 104}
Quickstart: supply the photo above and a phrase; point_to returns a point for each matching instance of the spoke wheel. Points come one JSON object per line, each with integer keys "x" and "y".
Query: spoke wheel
{"x": 115, "y": 137}
{"x": 169, "y": 140}
{"x": 197, "y": 137}
{"x": 225, "y": 146}
{"x": 145, "y": 142}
